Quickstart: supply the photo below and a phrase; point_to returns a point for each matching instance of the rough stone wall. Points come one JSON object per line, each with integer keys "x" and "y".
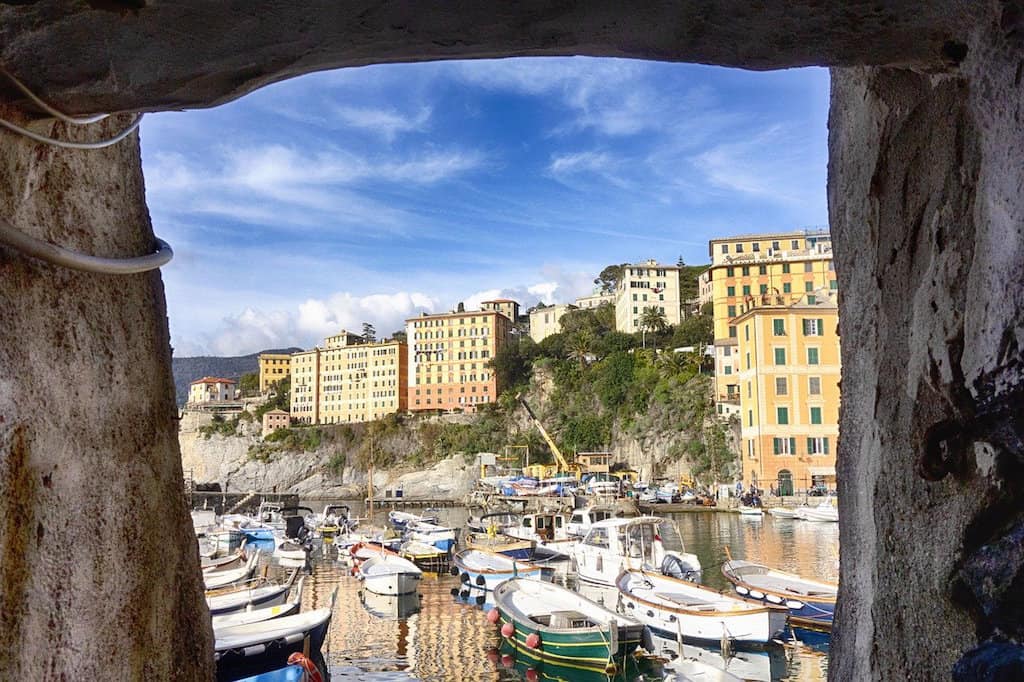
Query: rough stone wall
{"x": 926, "y": 209}
{"x": 99, "y": 574}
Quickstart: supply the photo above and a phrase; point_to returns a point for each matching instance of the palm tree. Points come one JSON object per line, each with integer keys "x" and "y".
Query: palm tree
{"x": 652, "y": 319}
{"x": 580, "y": 345}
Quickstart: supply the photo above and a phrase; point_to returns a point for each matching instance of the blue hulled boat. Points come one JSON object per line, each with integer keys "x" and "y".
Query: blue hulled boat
{"x": 811, "y": 603}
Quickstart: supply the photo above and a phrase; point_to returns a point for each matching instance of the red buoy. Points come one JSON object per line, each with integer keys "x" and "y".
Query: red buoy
{"x": 493, "y": 616}
{"x": 492, "y": 655}
{"x": 533, "y": 640}
{"x": 508, "y": 630}
{"x": 507, "y": 661}
{"x": 531, "y": 675}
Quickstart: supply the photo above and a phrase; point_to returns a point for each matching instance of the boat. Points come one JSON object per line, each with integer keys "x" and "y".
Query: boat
{"x": 257, "y": 647}
{"x": 751, "y": 665}
{"x": 547, "y": 622}
{"x": 227, "y": 561}
{"x": 254, "y": 595}
{"x": 582, "y": 519}
{"x": 291, "y": 550}
{"x": 614, "y": 545}
{"x": 244, "y": 617}
{"x": 823, "y": 512}
{"x": 389, "y": 574}
{"x": 493, "y": 523}
{"x": 502, "y": 544}
{"x": 441, "y": 537}
{"x": 546, "y": 529}
{"x": 488, "y": 569}
{"x": 695, "y": 613}
{"x": 215, "y": 580}
{"x": 523, "y": 667}
{"x": 399, "y": 520}
{"x": 811, "y": 603}
{"x": 782, "y": 513}
{"x": 219, "y": 541}
{"x": 750, "y": 511}
{"x": 390, "y": 606}
{"x": 299, "y": 669}
{"x": 335, "y": 519}
{"x": 426, "y": 557}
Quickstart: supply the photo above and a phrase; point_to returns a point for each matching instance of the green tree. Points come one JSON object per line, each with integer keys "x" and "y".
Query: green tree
{"x": 510, "y": 367}
{"x": 280, "y": 397}
{"x": 575, "y": 321}
{"x": 652, "y": 320}
{"x": 399, "y": 336}
{"x": 694, "y": 331}
{"x": 553, "y": 347}
{"x": 613, "y": 341}
{"x": 369, "y": 333}
{"x": 580, "y": 344}
{"x": 610, "y": 278}
{"x": 249, "y": 384}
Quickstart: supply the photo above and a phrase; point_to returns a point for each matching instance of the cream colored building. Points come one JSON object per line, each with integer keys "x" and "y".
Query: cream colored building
{"x": 646, "y": 285}
{"x": 211, "y": 390}
{"x": 273, "y": 368}
{"x": 505, "y": 306}
{"x": 546, "y": 321}
{"x": 449, "y": 356}
{"x": 274, "y": 420}
{"x": 349, "y": 381}
{"x": 774, "y": 268}
{"x": 788, "y": 381}
{"x": 594, "y": 300}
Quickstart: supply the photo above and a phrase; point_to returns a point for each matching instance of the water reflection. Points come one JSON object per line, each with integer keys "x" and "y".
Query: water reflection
{"x": 437, "y": 636}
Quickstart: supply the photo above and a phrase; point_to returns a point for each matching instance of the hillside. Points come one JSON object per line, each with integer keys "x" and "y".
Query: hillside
{"x": 187, "y": 370}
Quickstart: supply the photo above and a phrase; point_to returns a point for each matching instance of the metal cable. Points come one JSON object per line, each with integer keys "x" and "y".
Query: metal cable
{"x": 58, "y": 255}
{"x": 75, "y": 120}
{"x": 100, "y": 144}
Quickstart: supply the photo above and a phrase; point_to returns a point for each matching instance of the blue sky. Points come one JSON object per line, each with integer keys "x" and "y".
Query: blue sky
{"x": 372, "y": 194}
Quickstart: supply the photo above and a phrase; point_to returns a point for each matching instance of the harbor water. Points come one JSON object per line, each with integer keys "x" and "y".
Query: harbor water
{"x": 435, "y": 635}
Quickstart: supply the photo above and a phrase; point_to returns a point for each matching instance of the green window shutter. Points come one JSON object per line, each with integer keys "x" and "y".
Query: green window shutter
{"x": 785, "y": 268}
{"x": 780, "y": 356}
{"x": 730, "y": 272}
{"x": 826, "y": 444}
{"x": 778, "y": 327}
{"x": 803, "y": 324}
{"x": 812, "y": 356}
{"x": 821, "y": 327}
{"x": 777, "y": 445}
{"x": 746, "y": 290}
{"x": 764, "y": 288}
{"x": 792, "y": 446}
{"x": 833, "y": 284}
{"x": 732, "y": 311}
{"x": 782, "y": 414}
{"x": 732, "y": 332}
{"x": 808, "y": 286}
{"x": 762, "y": 269}
{"x": 810, "y": 446}
{"x": 815, "y": 415}
{"x": 811, "y": 299}
{"x": 730, "y": 291}
{"x": 787, "y": 288}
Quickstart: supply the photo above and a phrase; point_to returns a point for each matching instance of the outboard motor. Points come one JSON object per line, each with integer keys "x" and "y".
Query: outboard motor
{"x": 293, "y": 526}
{"x": 675, "y": 567}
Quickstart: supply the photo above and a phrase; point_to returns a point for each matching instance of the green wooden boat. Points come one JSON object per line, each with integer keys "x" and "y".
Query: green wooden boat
{"x": 547, "y": 622}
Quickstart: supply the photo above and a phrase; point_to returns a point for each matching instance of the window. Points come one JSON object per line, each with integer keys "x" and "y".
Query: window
{"x": 748, "y": 360}
{"x": 817, "y": 446}
{"x": 808, "y": 286}
{"x": 746, "y": 332}
{"x": 764, "y": 289}
{"x": 814, "y": 327}
{"x": 815, "y": 415}
{"x": 750, "y": 389}
{"x": 546, "y": 317}
{"x": 732, "y": 331}
{"x": 780, "y": 356}
{"x": 795, "y": 244}
{"x": 784, "y": 446}
{"x": 725, "y": 248}
{"x": 833, "y": 284}
{"x": 762, "y": 269}
{"x": 781, "y": 386}
{"x": 730, "y": 272}
{"x": 727, "y": 351}
{"x": 811, "y": 299}
{"x": 814, "y": 385}
{"x": 746, "y": 290}
{"x": 745, "y": 270}
{"x": 739, "y": 248}
{"x": 787, "y": 288}
{"x": 732, "y": 311}
{"x": 775, "y": 246}
{"x": 756, "y": 246}
{"x": 812, "y": 356}
{"x": 779, "y": 327}
{"x": 750, "y": 417}
{"x": 782, "y": 415}
{"x": 730, "y": 291}
{"x": 831, "y": 266}
{"x": 728, "y": 369}
{"x": 808, "y": 266}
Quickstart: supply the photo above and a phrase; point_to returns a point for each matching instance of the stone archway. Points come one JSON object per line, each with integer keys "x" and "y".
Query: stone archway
{"x": 926, "y": 207}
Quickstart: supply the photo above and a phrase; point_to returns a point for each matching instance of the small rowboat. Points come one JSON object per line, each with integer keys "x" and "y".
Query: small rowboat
{"x": 550, "y": 623}
{"x": 782, "y": 513}
{"x": 229, "y": 561}
{"x": 389, "y": 574}
{"x": 750, "y": 511}
{"x": 441, "y": 537}
{"x": 250, "y": 597}
{"x": 488, "y": 569}
{"x": 502, "y": 544}
{"x": 811, "y": 603}
{"x": 680, "y": 607}
{"x": 247, "y": 616}
{"x": 215, "y": 580}
{"x": 399, "y": 520}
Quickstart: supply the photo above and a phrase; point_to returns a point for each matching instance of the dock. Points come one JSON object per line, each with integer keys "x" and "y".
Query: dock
{"x": 676, "y": 508}
{"x": 412, "y": 502}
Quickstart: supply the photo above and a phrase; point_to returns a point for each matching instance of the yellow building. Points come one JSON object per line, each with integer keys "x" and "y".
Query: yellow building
{"x": 788, "y": 386}
{"x": 211, "y": 390}
{"x": 547, "y": 321}
{"x": 646, "y": 285}
{"x": 594, "y": 301}
{"x": 505, "y": 306}
{"x": 776, "y": 268}
{"x": 349, "y": 381}
{"x": 273, "y": 368}
{"x": 449, "y": 356}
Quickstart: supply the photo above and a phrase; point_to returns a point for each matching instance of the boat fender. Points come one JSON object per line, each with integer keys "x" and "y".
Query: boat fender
{"x": 464, "y": 577}
{"x": 631, "y": 605}
{"x": 480, "y": 599}
{"x": 650, "y": 614}
{"x": 533, "y": 640}
{"x": 493, "y": 616}
{"x": 611, "y": 669}
{"x": 508, "y": 630}
{"x": 756, "y": 594}
{"x": 464, "y": 594}
{"x": 671, "y": 619}
{"x": 742, "y": 590}
{"x": 531, "y": 675}
{"x": 773, "y": 599}
{"x": 295, "y": 638}
{"x": 455, "y": 592}
{"x": 481, "y": 581}
{"x": 507, "y": 661}
{"x": 793, "y": 604}
{"x": 254, "y": 650}
{"x": 492, "y": 655}
{"x": 454, "y": 570}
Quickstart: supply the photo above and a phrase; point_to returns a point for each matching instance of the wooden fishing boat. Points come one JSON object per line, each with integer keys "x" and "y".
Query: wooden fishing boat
{"x": 229, "y": 561}
{"x": 246, "y": 616}
{"x": 550, "y": 623}
{"x": 546, "y": 530}
{"x": 811, "y": 603}
{"x": 217, "y": 579}
{"x": 502, "y": 544}
{"x": 389, "y": 574}
{"x": 681, "y": 608}
{"x": 255, "y": 647}
{"x": 441, "y": 537}
{"x": 426, "y": 557}
{"x": 299, "y": 669}
{"x": 254, "y": 595}
{"x": 489, "y": 569}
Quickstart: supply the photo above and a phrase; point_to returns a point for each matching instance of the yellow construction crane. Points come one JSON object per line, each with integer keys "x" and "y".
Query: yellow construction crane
{"x": 563, "y": 465}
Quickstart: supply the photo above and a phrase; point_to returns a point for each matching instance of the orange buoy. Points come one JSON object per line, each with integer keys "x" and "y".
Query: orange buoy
{"x": 508, "y": 630}
{"x": 493, "y": 616}
{"x": 533, "y": 640}
{"x": 307, "y": 665}
{"x": 492, "y": 655}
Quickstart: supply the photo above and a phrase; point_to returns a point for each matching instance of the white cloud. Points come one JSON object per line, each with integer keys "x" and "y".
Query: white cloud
{"x": 387, "y": 123}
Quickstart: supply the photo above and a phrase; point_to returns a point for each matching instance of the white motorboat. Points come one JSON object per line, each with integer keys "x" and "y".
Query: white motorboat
{"x": 822, "y": 512}
{"x": 487, "y": 570}
{"x": 582, "y": 519}
{"x": 291, "y": 550}
{"x": 694, "y": 662}
{"x": 691, "y": 612}
{"x": 389, "y": 574}
{"x": 750, "y": 511}
{"x": 441, "y": 537}
{"x": 615, "y": 545}
{"x": 782, "y": 513}
{"x": 254, "y": 595}
{"x": 546, "y": 529}
{"x": 247, "y": 616}
{"x": 215, "y": 580}
{"x": 399, "y": 520}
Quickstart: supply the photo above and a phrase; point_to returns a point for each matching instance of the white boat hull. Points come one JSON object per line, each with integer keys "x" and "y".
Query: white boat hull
{"x": 390, "y": 575}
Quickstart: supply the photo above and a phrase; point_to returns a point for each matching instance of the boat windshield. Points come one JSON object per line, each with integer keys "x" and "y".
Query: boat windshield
{"x": 671, "y": 540}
